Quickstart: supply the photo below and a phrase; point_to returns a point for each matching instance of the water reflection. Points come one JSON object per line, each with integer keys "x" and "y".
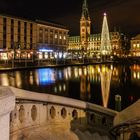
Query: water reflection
{"x": 94, "y": 83}
{"x": 46, "y": 76}
{"x": 4, "y": 79}
{"x": 85, "y": 88}
{"x": 106, "y": 74}
{"x": 135, "y": 72}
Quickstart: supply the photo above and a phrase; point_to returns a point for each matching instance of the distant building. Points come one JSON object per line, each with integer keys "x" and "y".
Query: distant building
{"x": 92, "y": 42}
{"x": 22, "y": 37}
{"x": 51, "y": 35}
{"x": 135, "y": 46}
{"x": 17, "y": 33}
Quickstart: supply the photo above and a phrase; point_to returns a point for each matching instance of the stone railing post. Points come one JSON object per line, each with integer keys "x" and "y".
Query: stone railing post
{"x": 7, "y": 104}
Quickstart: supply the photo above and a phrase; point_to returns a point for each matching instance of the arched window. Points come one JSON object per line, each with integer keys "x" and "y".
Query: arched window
{"x": 63, "y": 113}
{"x": 74, "y": 114}
{"x": 52, "y": 112}
{"x": 21, "y": 113}
{"x": 34, "y": 112}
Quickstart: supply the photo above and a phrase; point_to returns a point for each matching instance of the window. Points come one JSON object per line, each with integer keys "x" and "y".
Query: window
{"x": 55, "y": 36}
{"x": 83, "y": 30}
{"x": 25, "y": 32}
{"x": 60, "y": 37}
{"x": 4, "y": 32}
{"x": 40, "y": 35}
{"x": 31, "y": 28}
{"x": 134, "y": 45}
{"x": 12, "y": 33}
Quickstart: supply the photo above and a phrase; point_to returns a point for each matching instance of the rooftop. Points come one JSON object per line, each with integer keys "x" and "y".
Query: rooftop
{"x": 36, "y": 21}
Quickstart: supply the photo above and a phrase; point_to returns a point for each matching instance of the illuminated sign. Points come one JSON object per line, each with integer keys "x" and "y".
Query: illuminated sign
{"x": 45, "y": 50}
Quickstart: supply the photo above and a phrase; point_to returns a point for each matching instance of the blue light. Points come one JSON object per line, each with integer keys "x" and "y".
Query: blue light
{"x": 45, "y": 50}
{"x": 46, "y": 76}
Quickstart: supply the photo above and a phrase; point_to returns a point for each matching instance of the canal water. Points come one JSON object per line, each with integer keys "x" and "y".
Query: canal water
{"x": 98, "y": 84}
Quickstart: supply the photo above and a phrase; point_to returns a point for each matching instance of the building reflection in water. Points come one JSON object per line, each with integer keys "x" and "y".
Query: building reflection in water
{"x": 85, "y": 92}
{"x": 94, "y": 83}
{"x": 4, "y": 79}
{"x": 18, "y": 79}
{"x": 46, "y": 76}
{"x": 135, "y": 75}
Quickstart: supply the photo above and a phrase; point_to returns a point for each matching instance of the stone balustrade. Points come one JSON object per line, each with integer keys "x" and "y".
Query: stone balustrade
{"x": 127, "y": 123}
{"x": 40, "y": 116}
{"x": 7, "y": 104}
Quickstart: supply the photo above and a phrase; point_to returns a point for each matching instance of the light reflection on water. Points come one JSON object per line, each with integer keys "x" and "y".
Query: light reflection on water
{"x": 46, "y": 76}
{"x": 94, "y": 83}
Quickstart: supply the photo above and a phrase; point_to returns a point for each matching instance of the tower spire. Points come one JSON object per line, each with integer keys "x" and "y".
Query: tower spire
{"x": 85, "y": 12}
{"x": 85, "y": 24}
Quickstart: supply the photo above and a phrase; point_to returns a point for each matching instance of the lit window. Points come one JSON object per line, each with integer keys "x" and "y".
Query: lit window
{"x": 60, "y": 37}
{"x": 60, "y": 88}
{"x": 138, "y": 75}
{"x": 134, "y": 75}
{"x": 41, "y": 30}
{"x": 55, "y": 36}
{"x": 46, "y": 55}
{"x": 64, "y": 87}
{"x": 134, "y": 45}
{"x": 40, "y": 56}
{"x": 64, "y": 37}
{"x": 138, "y": 45}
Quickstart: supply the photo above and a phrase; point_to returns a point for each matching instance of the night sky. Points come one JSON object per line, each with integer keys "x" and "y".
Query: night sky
{"x": 123, "y": 14}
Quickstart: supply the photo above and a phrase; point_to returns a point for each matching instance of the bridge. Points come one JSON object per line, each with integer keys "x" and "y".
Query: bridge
{"x": 37, "y": 116}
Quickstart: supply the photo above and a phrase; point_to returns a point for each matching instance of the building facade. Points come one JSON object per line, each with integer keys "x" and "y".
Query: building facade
{"x": 135, "y": 46}
{"x": 92, "y": 42}
{"x": 17, "y": 33}
{"x": 19, "y": 38}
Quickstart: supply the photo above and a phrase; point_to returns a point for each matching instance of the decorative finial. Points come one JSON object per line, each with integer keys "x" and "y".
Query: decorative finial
{"x": 105, "y": 14}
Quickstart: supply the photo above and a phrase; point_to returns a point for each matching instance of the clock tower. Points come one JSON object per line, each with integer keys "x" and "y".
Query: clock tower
{"x": 85, "y": 24}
